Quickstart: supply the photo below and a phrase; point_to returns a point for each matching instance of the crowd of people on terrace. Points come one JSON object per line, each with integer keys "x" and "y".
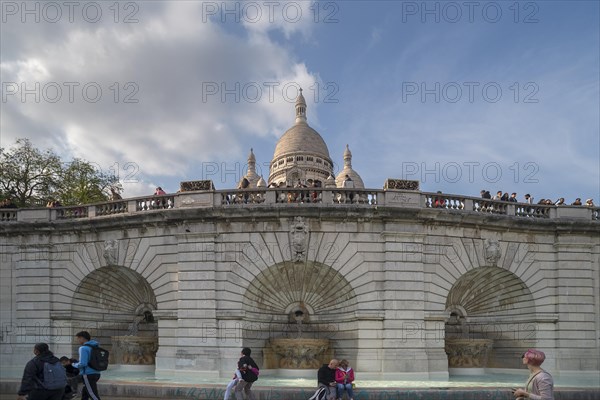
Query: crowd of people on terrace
{"x": 500, "y": 196}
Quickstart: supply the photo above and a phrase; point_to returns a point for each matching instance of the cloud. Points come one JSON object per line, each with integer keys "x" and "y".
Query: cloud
{"x": 143, "y": 93}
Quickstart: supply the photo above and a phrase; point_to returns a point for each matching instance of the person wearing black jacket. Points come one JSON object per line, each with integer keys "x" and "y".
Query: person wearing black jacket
{"x": 73, "y": 377}
{"x": 249, "y": 371}
{"x": 326, "y": 378}
{"x": 34, "y": 374}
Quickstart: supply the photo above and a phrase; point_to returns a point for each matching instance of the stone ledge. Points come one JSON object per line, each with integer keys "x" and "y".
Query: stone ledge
{"x": 147, "y": 390}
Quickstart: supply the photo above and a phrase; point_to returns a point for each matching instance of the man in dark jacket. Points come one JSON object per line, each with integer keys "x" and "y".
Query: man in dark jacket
{"x": 89, "y": 375}
{"x": 249, "y": 371}
{"x": 326, "y": 378}
{"x": 73, "y": 377}
{"x": 33, "y": 376}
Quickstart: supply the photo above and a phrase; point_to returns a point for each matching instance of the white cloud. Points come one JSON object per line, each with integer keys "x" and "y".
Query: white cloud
{"x": 164, "y": 62}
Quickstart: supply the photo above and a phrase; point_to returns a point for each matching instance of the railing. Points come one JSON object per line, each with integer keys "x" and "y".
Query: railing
{"x": 8, "y": 215}
{"x": 282, "y": 197}
{"x": 115, "y": 207}
{"x": 449, "y": 202}
{"x": 353, "y": 196}
{"x": 299, "y": 196}
{"x": 533, "y": 210}
{"x": 155, "y": 203}
{"x": 71, "y": 212}
{"x": 244, "y": 196}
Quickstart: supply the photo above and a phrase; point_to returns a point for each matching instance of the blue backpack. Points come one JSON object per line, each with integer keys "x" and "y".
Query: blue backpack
{"x": 55, "y": 376}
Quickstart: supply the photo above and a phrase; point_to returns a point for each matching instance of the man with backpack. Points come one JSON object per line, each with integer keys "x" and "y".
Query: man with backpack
{"x": 92, "y": 360}
{"x": 44, "y": 378}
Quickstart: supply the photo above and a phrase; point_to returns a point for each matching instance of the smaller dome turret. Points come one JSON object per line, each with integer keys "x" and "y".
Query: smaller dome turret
{"x": 261, "y": 183}
{"x": 348, "y": 171}
{"x": 251, "y": 174}
{"x": 330, "y": 182}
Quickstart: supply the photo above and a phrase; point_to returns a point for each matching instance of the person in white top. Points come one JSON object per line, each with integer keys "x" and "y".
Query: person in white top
{"x": 540, "y": 385}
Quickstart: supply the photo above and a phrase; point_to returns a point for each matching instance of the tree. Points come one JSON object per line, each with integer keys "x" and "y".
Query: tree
{"x": 32, "y": 178}
{"x": 81, "y": 183}
{"x": 27, "y": 174}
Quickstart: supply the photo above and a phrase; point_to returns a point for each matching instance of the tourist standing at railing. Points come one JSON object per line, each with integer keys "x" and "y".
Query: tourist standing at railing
{"x": 439, "y": 201}
{"x": 159, "y": 192}
{"x": 577, "y": 202}
{"x": 244, "y": 184}
{"x": 349, "y": 184}
{"x": 540, "y": 385}
{"x": 114, "y": 195}
{"x": 504, "y": 197}
{"x": 314, "y": 195}
{"x": 528, "y": 199}
{"x": 589, "y": 202}
{"x": 560, "y": 202}
{"x": 498, "y": 195}
{"x": 7, "y": 203}
{"x": 300, "y": 185}
{"x": 513, "y": 198}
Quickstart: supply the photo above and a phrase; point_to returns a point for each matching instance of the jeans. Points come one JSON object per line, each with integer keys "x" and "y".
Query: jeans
{"x": 340, "y": 390}
{"x": 231, "y": 385}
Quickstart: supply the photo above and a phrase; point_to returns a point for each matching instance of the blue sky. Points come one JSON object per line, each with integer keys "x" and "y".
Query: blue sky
{"x": 503, "y": 96}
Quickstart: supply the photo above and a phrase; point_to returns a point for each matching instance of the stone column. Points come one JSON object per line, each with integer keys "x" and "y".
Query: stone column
{"x": 404, "y": 329}
{"x": 32, "y": 297}
{"x": 188, "y": 344}
{"x": 577, "y": 337}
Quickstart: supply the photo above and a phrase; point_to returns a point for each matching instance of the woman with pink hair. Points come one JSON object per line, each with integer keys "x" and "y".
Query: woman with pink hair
{"x": 540, "y": 383}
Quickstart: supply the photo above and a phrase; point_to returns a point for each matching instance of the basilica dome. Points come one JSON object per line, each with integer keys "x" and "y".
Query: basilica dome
{"x": 301, "y": 153}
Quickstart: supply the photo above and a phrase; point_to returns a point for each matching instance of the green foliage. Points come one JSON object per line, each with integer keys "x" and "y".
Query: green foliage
{"x": 27, "y": 174}
{"x": 32, "y": 177}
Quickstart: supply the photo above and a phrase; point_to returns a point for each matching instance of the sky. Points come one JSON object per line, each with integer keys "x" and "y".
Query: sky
{"x": 462, "y": 96}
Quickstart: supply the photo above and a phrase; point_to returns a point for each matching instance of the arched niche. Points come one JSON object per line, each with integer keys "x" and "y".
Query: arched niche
{"x": 491, "y": 303}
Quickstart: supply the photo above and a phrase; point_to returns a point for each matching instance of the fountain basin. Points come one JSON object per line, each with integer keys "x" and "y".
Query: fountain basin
{"x": 298, "y": 353}
{"x": 468, "y": 356}
{"x": 135, "y": 352}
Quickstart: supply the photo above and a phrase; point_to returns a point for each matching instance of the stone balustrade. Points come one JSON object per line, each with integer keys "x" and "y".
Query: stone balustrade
{"x": 71, "y": 212}
{"x": 155, "y": 203}
{"x": 319, "y": 197}
{"x": 8, "y": 215}
{"x": 114, "y": 207}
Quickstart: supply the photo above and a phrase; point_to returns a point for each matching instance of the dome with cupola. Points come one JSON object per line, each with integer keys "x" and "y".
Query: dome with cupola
{"x": 301, "y": 153}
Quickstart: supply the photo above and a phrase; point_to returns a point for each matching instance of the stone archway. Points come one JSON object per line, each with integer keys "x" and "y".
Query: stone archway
{"x": 299, "y": 300}
{"x": 490, "y": 303}
{"x": 115, "y": 303}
